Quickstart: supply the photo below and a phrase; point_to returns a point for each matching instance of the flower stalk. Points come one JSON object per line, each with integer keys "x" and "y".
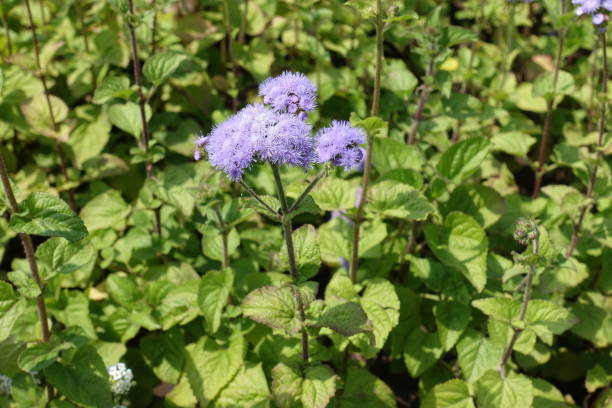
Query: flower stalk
{"x": 598, "y": 152}
{"x": 528, "y": 284}
{"x": 542, "y": 158}
{"x": 141, "y": 103}
{"x": 43, "y": 80}
{"x": 285, "y": 218}
{"x": 367, "y": 168}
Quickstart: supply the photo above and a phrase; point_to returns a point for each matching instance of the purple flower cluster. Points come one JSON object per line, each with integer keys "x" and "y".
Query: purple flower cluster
{"x": 289, "y": 92}
{"x": 279, "y": 135}
{"x": 598, "y": 9}
{"x": 339, "y": 144}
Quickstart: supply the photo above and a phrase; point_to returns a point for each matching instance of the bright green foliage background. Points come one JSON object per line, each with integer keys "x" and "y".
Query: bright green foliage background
{"x": 424, "y": 327}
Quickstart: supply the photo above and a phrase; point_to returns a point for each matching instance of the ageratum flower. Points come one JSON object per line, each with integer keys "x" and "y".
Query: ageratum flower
{"x": 339, "y": 144}
{"x": 120, "y": 378}
{"x": 254, "y": 134}
{"x": 598, "y": 9}
{"x": 289, "y": 92}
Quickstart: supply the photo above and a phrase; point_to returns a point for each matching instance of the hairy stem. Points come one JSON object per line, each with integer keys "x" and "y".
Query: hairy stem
{"x": 154, "y": 28}
{"x": 593, "y": 83}
{"x": 43, "y": 80}
{"x": 258, "y": 198}
{"x": 418, "y": 115}
{"x": 598, "y": 153}
{"x": 230, "y": 51}
{"x": 465, "y": 82}
{"x": 28, "y": 248}
{"x": 526, "y": 297}
{"x": 367, "y": 168}
{"x": 224, "y": 233}
{"x": 287, "y": 230}
{"x": 7, "y": 30}
{"x": 308, "y": 189}
{"x": 243, "y": 22}
{"x": 141, "y": 102}
{"x": 549, "y": 111}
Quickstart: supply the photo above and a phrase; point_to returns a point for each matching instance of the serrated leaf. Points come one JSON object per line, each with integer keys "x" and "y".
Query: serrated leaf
{"x": 347, "y": 318}
{"x": 275, "y": 307}
{"x": 314, "y": 389}
{"x": 463, "y": 244}
{"x": 249, "y": 389}
{"x": 482, "y": 203}
{"x": 381, "y": 304}
{"x": 462, "y": 159}
{"x": 112, "y": 87}
{"x": 393, "y": 199}
{"x": 514, "y": 143}
{"x": 452, "y": 318}
{"x": 127, "y": 117}
{"x": 306, "y": 250}
{"x": 389, "y": 154}
{"x": 543, "y": 85}
{"x": 215, "y": 287}
{"x": 161, "y": 66}
{"x": 421, "y": 351}
{"x": 211, "y": 365}
{"x": 47, "y": 215}
{"x": 36, "y": 113}
{"x": 107, "y": 210}
{"x": 451, "y": 394}
{"x": 165, "y": 354}
{"x": 59, "y": 256}
{"x": 11, "y": 307}
{"x": 363, "y": 389}
{"x": 477, "y": 355}
{"x": 495, "y": 392}
{"x": 334, "y": 194}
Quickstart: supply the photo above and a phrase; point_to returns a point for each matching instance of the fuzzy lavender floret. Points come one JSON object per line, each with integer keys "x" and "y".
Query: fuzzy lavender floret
{"x": 287, "y": 141}
{"x": 339, "y": 144}
{"x": 598, "y": 9}
{"x": 289, "y": 92}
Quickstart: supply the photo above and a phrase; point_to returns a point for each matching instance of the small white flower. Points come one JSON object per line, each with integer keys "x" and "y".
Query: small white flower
{"x": 120, "y": 378}
{"x": 5, "y": 385}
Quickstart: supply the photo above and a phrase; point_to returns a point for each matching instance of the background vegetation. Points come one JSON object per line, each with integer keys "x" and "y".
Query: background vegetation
{"x": 489, "y": 111}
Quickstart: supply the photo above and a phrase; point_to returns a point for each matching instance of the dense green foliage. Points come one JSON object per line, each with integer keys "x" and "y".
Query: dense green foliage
{"x": 144, "y": 256}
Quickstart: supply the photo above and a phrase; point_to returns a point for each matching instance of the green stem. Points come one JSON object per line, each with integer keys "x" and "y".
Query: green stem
{"x": 287, "y": 234}
{"x": 598, "y": 153}
{"x": 526, "y": 298}
{"x": 243, "y": 22}
{"x": 418, "y": 115}
{"x": 549, "y": 111}
{"x": 43, "y": 80}
{"x": 256, "y": 197}
{"x": 28, "y": 248}
{"x": 308, "y": 189}
{"x": 367, "y": 168}
{"x": 224, "y": 234}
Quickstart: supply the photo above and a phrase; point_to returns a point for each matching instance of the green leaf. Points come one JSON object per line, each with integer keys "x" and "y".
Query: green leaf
{"x": 112, "y": 87}
{"x": 545, "y": 395}
{"x": 477, "y": 355}
{"x": 451, "y": 394}
{"x": 249, "y": 389}
{"x": 107, "y": 210}
{"x": 347, "y": 318}
{"x": 161, "y": 66}
{"x": 543, "y": 85}
{"x": 26, "y": 392}
{"x": 212, "y": 364}
{"x": 463, "y": 158}
{"x": 58, "y": 256}
{"x": 334, "y": 194}
{"x": 594, "y": 318}
{"x": 165, "y": 354}
{"x": 397, "y": 77}
{"x": 389, "y": 154}
{"x": 47, "y": 215}
{"x": 393, "y": 199}
{"x": 495, "y": 392}
{"x": 40, "y": 355}
{"x": 83, "y": 379}
{"x": 275, "y": 307}
{"x": 421, "y": 351}
{"x": 514, "y": 143}
{"x": 126, "y": 117}
{"x": 11, "y": 307}
{"x": 482, "y": 203}
{"x": 453, "y": 35}
{"x": 36, "y": 113}
{"x": 452, "y": 318}
{"x": 307, "y": 252}
{"x": 363, "y": 389}
{"x": 314, "y": 389}
{"x": 215, "y": 287}
{"x": 212, "y": 242}
{"x": 463, "y": 244}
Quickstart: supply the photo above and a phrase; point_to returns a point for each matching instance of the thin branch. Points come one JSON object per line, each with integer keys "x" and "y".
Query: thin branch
{"x": 43, "y": 80}
{"x": 367, "y": 168}
{"x": 308, "y": 189}
{"x": 287, "y": 233}
{"x": 526, "y": 297}
{"x": 598, "y": 153}
{"x": 542, "y": 158}
{"x": 407, "y": 251}
{"x": 28, "y": 248}
{"x": 256, "y": 197}
{"x": 418, "y": 115}
{"x": 243, "y": 22}
{"x": 141, "y": 102}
